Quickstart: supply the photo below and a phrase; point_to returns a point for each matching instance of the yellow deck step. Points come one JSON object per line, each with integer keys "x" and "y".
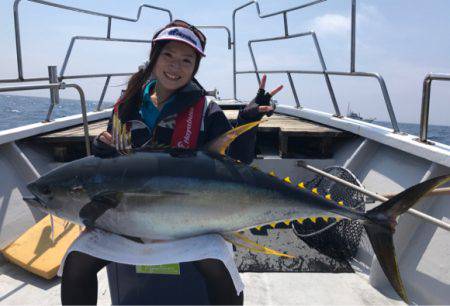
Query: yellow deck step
{"x": 34, "y": 250}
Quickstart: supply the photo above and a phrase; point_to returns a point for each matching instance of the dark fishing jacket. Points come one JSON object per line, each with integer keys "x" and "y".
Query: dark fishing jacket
{"x": 214, "y": 124}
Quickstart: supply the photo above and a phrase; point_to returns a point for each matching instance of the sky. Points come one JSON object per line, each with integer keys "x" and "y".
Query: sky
{"x": 403, "y": 40}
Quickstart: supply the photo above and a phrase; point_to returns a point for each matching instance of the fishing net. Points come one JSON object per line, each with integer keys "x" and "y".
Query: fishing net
{"x": 337, "y": 239}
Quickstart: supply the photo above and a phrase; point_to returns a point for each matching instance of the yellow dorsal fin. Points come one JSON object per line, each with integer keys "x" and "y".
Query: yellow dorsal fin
{"x": 242, "y": 241}
{"x": 315, "y": 191}
{"x": 328, "y": 197}
{"x": 221, "y": 143}
{"x": 287, "y": 180}
{"x": 301, "y": 185}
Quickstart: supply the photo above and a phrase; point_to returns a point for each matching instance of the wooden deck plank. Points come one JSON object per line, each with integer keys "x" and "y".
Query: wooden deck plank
{"x": 290, "y": 125}
{"x": 76, "y": 133}
{"x": 290, "y": 136}
{"x": 285, "y": 125}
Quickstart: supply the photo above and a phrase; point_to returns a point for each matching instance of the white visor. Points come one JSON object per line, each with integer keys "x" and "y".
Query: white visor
{"x": 183, "y": 35}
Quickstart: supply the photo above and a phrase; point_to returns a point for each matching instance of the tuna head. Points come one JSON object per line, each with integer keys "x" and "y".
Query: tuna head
{"x": 64, "y": 190}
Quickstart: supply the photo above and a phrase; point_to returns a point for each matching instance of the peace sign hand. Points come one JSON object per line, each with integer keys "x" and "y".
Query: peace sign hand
{"x": 263, "y": 98}
{"x": 261, "y": 105}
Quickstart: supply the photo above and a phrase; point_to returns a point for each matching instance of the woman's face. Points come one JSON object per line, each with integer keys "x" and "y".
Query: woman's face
{"x": 175, "y": 65}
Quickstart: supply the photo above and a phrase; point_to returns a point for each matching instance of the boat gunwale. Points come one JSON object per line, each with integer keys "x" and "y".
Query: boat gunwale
{"x": 437, "y": 152}
{"x": 38, "y": 128}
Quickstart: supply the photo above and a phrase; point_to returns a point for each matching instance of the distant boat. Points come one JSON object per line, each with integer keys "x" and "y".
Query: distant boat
{"x": 357, "y": 116}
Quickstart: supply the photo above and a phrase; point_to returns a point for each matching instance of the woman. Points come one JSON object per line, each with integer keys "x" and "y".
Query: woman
{"x": 165, "y": 95}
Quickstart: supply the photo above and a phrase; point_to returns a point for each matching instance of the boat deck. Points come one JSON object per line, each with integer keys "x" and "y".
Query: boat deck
{"x": 281, "y": 135}
{"x": 19, "y": 287}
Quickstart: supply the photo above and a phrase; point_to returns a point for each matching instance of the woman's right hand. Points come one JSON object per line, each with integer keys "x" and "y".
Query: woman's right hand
{"x": 106, "y": 138}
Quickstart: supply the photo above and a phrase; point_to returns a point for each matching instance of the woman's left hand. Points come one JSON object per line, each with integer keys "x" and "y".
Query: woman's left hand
{"x": 263, "y": 98}
{"x": 261, "y": 105}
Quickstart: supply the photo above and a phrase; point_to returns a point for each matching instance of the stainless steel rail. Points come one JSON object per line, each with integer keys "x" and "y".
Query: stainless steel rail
{"x": 53, "y": 78}
{"x": 94, "y": 38}
{"x": 353, "y": 38}
{"x": 258, "y": 9}
{"x": 230, "y": 43}
{"x": 319, "y": 54}
{"x": 324, "y": 71}
{"x": 74, "y": 9}
{"x": 426, "y": 94}
{"x": 108, "y": 38}
{"x": 377, "y": 76}
{"x": 59, "y": 86}
{"x": 374, "y": 195}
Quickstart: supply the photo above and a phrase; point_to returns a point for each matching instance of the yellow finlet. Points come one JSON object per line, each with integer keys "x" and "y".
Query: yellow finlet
{"x": 273, "y": 225}
{"x": 315, "y": 191}
{"x": 287, "y": 222}
{"x": 271, "y": 173}
{"x": 338, "y": 219}
{"x": 258, "y": 227}
{"x": 301, "y": 185}
{"x": 313, "y": 219}
{"x": 300, "y": 220}
{"x": 221, "y": 143}
{"x": 287, "y": 180}
{"x": 328, "y": 197}
{"x": 341, "y": 203}
{"x": 325, "y": 219}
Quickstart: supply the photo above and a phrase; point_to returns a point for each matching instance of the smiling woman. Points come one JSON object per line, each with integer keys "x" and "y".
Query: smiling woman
{"x": 165, "y": 96}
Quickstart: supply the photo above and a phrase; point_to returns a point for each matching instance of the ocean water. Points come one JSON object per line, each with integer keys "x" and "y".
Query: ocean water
{"x": 22, "y": 110}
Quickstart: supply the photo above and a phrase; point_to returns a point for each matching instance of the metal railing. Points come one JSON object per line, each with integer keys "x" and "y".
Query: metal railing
{"x": 425, "y": 111}
{"x": 108, "y": 38}
{"x": 319, "y": 54}
{"x": 324, "y": 71}
{"x": 231, "y": 40}
{"x": 376, "y": 76}
{"x": 258, "y": 9}
{"x": 58, "y": 86}
{"x": 74, "y": 9}
{"x": 59, "y": 78}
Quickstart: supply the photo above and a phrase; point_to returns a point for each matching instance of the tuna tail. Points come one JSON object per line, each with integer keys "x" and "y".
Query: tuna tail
{"x": 380, "y": 226}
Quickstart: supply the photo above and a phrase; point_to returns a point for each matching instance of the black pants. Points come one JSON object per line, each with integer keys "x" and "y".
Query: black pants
{"x": 79, "y": 284}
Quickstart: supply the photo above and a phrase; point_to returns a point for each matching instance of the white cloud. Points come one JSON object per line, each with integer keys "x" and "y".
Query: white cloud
{"x": 370, "y": 17}
{"x": 333, "y": 24}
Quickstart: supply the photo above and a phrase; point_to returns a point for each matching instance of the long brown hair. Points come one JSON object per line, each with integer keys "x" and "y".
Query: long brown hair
{"x": 138, "y": 79}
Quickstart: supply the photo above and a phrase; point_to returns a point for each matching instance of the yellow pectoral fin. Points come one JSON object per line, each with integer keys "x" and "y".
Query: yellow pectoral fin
{"x": 221, "y": 143}
{"x": 242, "y": 241}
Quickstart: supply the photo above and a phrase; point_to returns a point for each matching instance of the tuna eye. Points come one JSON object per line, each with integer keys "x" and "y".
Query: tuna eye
{"x": 77, "y": 189}
{"x": 45, "y": 190}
